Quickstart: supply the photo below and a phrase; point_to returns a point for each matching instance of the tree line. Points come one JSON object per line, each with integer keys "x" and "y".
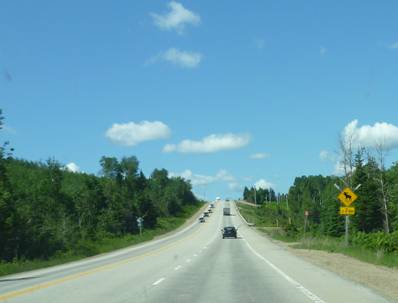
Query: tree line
{"x": 46, "y": 209}
{"x": 376, "y": 207}
{"x": 259, "y": 195}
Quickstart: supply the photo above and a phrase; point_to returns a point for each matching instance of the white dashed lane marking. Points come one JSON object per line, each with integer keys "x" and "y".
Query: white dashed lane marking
{"x": 177, "y": 267}
{"x": 158, "y": 281}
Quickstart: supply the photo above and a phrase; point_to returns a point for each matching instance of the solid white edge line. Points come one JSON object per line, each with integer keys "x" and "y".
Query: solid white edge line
{"x": 158, "y": 281}
{"x": 296, "y": 284}
{"x": 177, "y": 267}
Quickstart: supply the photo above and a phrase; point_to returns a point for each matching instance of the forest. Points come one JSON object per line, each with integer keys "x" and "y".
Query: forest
{"x": 46, "y": 210}
{"x": 375, "y": 223}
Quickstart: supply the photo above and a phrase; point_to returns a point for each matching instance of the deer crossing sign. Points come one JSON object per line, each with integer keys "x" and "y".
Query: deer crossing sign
{"x": 347, "y": 196}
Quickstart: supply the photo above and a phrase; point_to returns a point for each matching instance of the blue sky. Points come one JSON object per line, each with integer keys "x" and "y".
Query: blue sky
{"x": 277, "y": 78}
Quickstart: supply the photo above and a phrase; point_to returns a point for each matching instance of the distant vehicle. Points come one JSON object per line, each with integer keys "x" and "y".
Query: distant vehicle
{"x": 227, "y": 211}
{"x": 209, "y": 211}
{"x": 218, "y": 199}
{"x": 211, "y": 205}
{"x": 205, "y": 214}
{"x": 202, "y": 220}
{"x": 229, "y": 232}
{"x": 227, "y": 200}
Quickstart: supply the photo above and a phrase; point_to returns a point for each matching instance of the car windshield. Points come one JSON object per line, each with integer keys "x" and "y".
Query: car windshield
{"x": 198, "y": 151}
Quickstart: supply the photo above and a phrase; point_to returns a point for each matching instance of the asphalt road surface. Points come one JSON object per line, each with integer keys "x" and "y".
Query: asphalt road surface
{"x": 193, "y": 265}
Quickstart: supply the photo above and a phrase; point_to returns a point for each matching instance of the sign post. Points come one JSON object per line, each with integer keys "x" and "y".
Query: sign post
{"x": 347, "y": 197}
{"x": 140, "y": 222}
{"x": 306, "y": 213}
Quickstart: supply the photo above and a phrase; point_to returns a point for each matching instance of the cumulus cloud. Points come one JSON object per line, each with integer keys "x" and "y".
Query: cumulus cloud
{"x": 210, "y": 144}
{"x": 72, "y": 167}
{"x": 224, "y": 176}
{"x": 236, "y": 187}
{"x": 131, "y": 133}
{"x": 181, "y": 58}
{"x": 380, "y": 134}
{"x": 176, "y": 19}
{"x": 325, "y": 155}
{"x": 264, "y": 184}
{"x": 259, "y": 156}
{"x": 198, "y": 179}
{"x": 339, "y": 169}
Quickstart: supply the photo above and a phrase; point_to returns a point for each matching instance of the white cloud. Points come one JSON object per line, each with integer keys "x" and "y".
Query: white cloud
{"x": 381, "y": 133}
{"x": 198, "y": 179}
{"x": 394, "y": 45}
{"x": 264, "y": 184}
{"x": 72, "y": 167}
{"x": 195, "y": 179}
{"x": 236, "y": 187}
{"x": 176, "y": 18}
{"x": 131, "y": 133}
{"x": 259, "y": 156}
{"x": 210, "y": 144}
{"x": 339, "y": 169}
{"x": 323, "y": 50}
{"x": 325, "y": 155}
{"x": 224, "y": 176}
{"x": 168, "y": 148}
{"x": 181, "y": 58}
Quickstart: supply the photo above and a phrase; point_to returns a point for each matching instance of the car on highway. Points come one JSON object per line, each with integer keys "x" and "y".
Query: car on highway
{"x": 206, "y": 214}
{"x": 210, "y": 211}
{"x": 202, "y": 220}
{"x": 229, "y": 232}
{"x": 212, "y": 205}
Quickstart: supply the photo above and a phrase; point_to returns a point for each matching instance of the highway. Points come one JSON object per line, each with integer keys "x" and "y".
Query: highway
{"x": 193, "y": 265}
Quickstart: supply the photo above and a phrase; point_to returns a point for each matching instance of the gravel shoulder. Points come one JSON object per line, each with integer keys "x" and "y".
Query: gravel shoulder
{"x": 383, "y": 280}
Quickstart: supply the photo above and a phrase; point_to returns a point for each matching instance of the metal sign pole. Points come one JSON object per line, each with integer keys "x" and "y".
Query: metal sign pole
{"x": 347, "y": 222}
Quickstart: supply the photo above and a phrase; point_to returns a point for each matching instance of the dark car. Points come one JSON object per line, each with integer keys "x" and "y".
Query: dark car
{"x": 206, "y": 214}
{"x": 229, "y": 232}
{"x": 202, "y": 220}
{"x": 209, "y": 211}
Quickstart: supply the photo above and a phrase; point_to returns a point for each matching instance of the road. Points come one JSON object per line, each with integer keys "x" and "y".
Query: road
{"x": 194, "y": 265}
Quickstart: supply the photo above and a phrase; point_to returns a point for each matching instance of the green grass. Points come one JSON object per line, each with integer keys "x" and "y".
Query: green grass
{"x": 324, "y": 243}
{"x": 337, "y": 245}
{"x": 249, "y": 213}
{"x": 90, "y": 248}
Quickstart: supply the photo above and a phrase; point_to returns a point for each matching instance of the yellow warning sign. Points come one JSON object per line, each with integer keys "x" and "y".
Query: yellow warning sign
{"x": 347, "y": 211}
{"x": 347, "y": 196}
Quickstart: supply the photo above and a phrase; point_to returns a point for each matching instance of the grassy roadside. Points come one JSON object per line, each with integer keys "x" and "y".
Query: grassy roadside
{"x": 329, "y": 244}
{"x": 104, "y": 245}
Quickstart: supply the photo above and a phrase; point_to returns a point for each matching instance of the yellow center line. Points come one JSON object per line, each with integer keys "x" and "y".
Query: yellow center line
{"x": 31, "y": 289}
